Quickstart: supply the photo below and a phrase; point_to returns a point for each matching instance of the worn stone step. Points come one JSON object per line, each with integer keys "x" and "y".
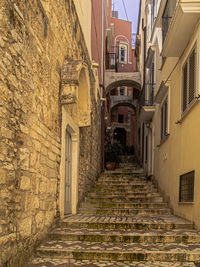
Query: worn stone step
{"x": 120, "y": 251}
{"x": 124, "y": 193}
{"x": 55, "y": 262}
{"x": 139, "y": 222}
{"x": 123, "y": 171}
{"x": 124, "y": 211}
{"x": 119, "y": 199}
{"x": 130, "y": 189}
{"x": 125, "y": 236}
{"x": 123, "y": 205}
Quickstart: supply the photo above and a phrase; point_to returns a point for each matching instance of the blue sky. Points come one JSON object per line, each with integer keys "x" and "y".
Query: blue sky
{"x": 132, "y": 8}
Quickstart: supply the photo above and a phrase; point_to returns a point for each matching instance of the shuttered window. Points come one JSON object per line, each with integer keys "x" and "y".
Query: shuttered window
{"x": 189, "y": 80}
{"x": 164, "y": 119}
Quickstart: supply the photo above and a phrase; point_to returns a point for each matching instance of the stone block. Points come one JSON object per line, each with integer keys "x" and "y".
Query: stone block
{"x": 24, "y": 227}
{"x": 39, "y": 220}
{"x": 25, "y": 183}
{"x": 2, "y": 176}
{"x": 24, "y": 158}
{"x": 43, "y": 187}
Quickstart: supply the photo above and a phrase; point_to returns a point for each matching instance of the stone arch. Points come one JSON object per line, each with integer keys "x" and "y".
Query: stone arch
{"x": 75, "y": 91}
{"x": 129, "y": 83}
{"x": 83, "y": 98}
{"x": 123, "y": 104}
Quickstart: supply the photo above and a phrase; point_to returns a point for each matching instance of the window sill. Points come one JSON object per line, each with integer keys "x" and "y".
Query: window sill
{"x": 187, "y": 111}
{"x": 164, "y": 140}
{"x": 186, "y": 203}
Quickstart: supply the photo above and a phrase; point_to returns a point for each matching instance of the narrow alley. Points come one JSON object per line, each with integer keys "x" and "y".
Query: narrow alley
{"x": 99, "y": 133}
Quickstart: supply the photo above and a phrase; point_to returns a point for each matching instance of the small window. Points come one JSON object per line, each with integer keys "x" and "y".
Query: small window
{"x": 189, "y": 81}
{"x": 186, "y": 191}
{"x": 120, "y": 118}
{"x": 122, "y": 53}
{"x": 164, "y": 119}
{"x": 122, "y": 90}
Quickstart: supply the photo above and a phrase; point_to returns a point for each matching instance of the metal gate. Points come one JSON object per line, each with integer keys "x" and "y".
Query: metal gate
{"x": 68, "y": 173}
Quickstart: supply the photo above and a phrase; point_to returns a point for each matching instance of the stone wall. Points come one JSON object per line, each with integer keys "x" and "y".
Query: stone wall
{"x": 35, "y": 38}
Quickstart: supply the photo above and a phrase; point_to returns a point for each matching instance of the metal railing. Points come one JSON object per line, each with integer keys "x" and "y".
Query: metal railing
{"x": 167, "y": 16}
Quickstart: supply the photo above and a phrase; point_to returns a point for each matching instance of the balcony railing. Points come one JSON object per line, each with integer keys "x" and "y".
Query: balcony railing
{"x": 167, "y": 16}
{"x": 149, "y": 102}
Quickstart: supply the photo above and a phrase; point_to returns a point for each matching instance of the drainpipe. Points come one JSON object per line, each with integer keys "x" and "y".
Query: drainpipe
{"x": 103, "y": 89}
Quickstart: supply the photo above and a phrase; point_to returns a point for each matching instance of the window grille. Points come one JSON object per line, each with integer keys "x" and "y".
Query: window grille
{"x": 164, "y": 119}
{"x": 186, "y": 191}
{"x": 189, "y": 80}
{"x": 123, "y": 53}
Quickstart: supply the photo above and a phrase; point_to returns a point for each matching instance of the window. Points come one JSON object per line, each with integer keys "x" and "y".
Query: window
{"x": 189, "y": 80}
{"x": 164, "y": 119}
{"x": 186, "y": 190}
{"x": 122, "y": 90}
{"x": 122, "y": 53}
{"x": 120, "y": 118}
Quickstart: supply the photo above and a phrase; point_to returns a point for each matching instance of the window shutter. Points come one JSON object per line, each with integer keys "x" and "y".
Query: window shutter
{"x": 185, "y": 82}
{"x": 192, "y": 89}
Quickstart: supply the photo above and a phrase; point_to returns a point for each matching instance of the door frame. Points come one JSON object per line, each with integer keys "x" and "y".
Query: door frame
{"x": 69, "y": 125}
{"x": 68, "y": 172}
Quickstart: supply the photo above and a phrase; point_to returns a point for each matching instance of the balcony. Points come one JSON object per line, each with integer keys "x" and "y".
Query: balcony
{"x": 148, "y": 107}
{"x": 178, "y": 30}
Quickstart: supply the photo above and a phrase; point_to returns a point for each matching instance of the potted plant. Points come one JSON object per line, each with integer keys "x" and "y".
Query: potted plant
{"x": 112, "y": 155}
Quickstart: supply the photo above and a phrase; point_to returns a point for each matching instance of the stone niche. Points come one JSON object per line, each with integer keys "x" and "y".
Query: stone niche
{"x": 75, "y": 91}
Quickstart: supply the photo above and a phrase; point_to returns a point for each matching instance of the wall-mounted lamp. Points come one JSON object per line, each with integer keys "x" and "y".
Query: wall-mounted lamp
{"x": 148, "y": 124}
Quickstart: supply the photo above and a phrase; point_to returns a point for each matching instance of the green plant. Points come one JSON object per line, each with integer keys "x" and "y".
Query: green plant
{"x": 113, "y": 152}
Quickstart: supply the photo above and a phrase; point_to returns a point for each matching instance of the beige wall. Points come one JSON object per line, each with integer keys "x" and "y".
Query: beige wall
{"x": 179, "y": 153}
{"x": 84, "y": 8}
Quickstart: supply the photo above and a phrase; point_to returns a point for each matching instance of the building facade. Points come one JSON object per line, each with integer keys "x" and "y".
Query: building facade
{"x": 168, "y": 56}
{"x": 122, "y": 85}
{"x": 50, "y": 115}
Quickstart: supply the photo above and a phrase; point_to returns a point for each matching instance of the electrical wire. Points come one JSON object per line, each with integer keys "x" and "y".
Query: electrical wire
{"x": 125, "y": 9}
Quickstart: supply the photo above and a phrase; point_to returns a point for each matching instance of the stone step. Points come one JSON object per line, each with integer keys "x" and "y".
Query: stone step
{"x": 123, "y": 171}
{"x": 120, "y": 198}
{"x": 123, "y": 205}
{"x": 136, "y": 192}
{"x": 124, "y": 211}
{"x": 55, "y": 262}
{"x": 116, "y": 185}
{"x": 128, "y": 194}
{"x": 113, "y": 222}
{"x": 141, "y": 184}
{"x": 120, "y": 251}
{"x": 125, "y": 236}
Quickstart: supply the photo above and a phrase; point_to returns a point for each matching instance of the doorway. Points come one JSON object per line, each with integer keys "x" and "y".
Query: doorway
{"x": 68, "y": 174}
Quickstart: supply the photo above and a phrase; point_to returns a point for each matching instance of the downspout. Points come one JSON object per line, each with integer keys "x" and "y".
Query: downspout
{"x": 103, "y": 88}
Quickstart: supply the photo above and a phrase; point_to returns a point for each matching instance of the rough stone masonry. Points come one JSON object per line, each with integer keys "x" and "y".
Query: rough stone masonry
{"x": 36, "y": 36}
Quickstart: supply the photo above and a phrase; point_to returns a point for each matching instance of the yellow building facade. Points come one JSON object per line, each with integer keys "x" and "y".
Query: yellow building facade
{"x": 171, "y": 123}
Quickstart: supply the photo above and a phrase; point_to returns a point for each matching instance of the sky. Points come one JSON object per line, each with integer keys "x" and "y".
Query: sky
{"x": 132, "y": 8}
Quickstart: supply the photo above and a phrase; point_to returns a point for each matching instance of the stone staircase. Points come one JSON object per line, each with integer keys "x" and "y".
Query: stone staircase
{"x": 122, "y": 222}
